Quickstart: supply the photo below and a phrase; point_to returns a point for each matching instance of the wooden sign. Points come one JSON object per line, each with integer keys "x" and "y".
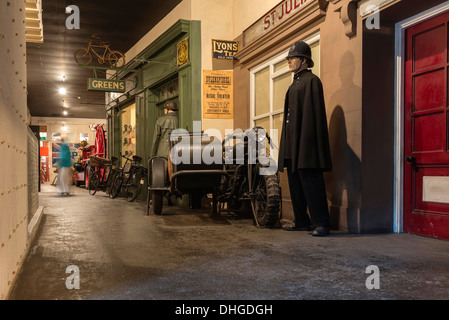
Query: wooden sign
{"x": 95, "y": 84}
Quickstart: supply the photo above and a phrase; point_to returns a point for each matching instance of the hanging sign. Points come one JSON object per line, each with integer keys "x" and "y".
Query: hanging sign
{"x": 218, "y": 97}
{"x": 183, "y": 52}
{"x": 224, "y": 50}
{"x": 273, "y": 18}
{"x": 95, "y": 84}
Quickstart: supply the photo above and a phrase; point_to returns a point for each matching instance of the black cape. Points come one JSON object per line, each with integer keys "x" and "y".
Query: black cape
{"x": 307, "y": 141}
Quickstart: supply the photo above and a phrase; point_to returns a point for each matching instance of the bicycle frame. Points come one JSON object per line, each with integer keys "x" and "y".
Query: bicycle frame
{"x": 91, "y": 47}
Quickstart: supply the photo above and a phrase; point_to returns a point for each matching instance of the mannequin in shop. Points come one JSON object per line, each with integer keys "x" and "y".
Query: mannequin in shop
{"x": 304, "y": 148}
{"x": 163, "y": 128}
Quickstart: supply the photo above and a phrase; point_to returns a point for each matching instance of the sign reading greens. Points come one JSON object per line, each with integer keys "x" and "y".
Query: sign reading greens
{"x": 95, "y": 84}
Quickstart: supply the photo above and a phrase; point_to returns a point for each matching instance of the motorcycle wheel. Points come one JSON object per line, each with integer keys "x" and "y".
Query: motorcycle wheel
{"x": 265, "y": 201}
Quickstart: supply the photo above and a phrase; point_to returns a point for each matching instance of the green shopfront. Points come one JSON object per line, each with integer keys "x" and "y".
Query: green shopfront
{"x": 168, "y": 69}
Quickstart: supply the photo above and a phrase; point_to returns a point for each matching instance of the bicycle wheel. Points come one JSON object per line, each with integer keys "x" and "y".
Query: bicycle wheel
{"x": 94, "y": 182}
{"x": 134, "y": 185}
{"x": 116, "y": 59}
{"x": 83, "y": 56}
{"x": 110, "y": 180}
{"x": 116, "y": 186}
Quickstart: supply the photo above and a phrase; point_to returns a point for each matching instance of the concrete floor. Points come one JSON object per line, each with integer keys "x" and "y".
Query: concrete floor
{"x": 188, "y": 255}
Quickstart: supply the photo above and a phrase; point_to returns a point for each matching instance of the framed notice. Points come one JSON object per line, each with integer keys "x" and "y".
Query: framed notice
{"x": 218, "y": 96}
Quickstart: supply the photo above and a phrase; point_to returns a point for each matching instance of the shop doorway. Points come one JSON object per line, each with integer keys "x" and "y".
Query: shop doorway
{"x": 426, "y": 128}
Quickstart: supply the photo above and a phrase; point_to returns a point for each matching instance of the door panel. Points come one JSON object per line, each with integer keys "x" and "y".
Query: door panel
{"x": 429, "y": 132}
{"x": 426, "y": 136}
{"x": 429, "y": 90}
{"x": 429, "y": 49}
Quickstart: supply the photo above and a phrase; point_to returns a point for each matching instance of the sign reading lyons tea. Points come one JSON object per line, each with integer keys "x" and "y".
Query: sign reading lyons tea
{"x": 224, "y": 50}
{"x": 95, "y": 84}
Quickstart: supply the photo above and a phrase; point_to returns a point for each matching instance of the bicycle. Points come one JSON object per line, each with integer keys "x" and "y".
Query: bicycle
{"x": 131, "y": 177}
{"x": 83, "y": 56}
{"x": 101, "y": 174}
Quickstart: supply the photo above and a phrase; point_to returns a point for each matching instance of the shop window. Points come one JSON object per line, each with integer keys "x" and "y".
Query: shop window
{"x": 269, "y": 84}
{"x": 128, "y": 121}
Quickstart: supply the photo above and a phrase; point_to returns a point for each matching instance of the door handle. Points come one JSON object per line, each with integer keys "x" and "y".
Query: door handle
{"x": 411, "y": 159}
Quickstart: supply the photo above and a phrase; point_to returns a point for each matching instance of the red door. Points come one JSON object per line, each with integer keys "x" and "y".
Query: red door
{"x": 426, "y": 136}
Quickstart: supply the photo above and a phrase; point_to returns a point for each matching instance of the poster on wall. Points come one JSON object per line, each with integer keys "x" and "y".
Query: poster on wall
{"x": 218, "y": 97}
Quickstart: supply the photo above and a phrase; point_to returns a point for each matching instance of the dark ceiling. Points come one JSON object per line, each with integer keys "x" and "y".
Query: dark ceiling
{"x": 122, "y": 23}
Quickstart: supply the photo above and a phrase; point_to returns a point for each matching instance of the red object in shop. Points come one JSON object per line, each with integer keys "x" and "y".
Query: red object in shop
{"x": 100, "y": 143}
{"x": 99, "y": 149}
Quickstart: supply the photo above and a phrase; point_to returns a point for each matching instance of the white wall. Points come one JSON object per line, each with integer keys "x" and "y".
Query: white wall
{"x": 246, "y": 12}
{"x": 13, "y": 143}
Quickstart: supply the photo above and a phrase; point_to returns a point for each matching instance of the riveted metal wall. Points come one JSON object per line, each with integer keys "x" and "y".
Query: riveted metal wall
{"x": 13, "y": 144}
{"x": 33, "y": 173}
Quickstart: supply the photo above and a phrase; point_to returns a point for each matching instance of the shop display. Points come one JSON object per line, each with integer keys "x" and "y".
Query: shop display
{"x": 128, "y": 119}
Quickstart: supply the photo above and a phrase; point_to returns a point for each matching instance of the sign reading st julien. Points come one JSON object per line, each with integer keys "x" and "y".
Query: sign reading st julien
{"x": 96, "y": 84}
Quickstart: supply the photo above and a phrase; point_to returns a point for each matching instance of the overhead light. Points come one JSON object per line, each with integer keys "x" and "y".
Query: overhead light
{"x": 62, "y": 91}
{"x": 65, "y": 112}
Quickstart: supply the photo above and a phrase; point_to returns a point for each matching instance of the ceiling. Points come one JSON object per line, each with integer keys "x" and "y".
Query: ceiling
{"x": 51, "y": 64}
